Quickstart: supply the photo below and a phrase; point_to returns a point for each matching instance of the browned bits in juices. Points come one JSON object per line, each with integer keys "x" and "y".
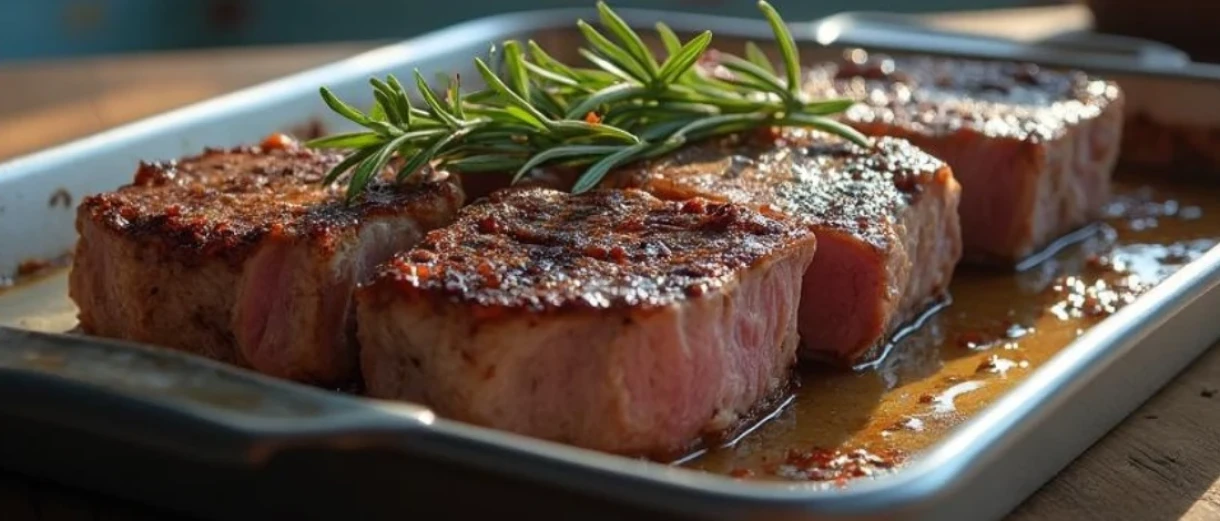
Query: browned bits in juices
{"x": 972, "y": 339}
{"x": 741, "y": 473}
{"x": 1079, "y": 298}
{"x": 837, "y": 466}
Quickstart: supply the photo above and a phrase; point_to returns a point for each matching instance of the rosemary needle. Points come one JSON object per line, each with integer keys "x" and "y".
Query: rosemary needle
{"x": 629, "y": 104}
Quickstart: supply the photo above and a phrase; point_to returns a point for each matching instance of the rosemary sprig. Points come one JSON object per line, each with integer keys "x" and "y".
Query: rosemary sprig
{"x": 630, "y": 105}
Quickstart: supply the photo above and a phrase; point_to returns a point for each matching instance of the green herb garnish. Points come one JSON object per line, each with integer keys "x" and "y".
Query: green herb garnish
{"x": 630, "y": 105}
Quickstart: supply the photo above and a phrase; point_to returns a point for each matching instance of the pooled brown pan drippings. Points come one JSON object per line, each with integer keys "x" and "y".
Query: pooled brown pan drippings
{"x": 999, "y": 328}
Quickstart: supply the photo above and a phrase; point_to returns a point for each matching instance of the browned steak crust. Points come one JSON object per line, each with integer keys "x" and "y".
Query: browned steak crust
{"x": 540, "y": 250}
{"x": 223, "y": 202}
{"x": 818, "y": 179}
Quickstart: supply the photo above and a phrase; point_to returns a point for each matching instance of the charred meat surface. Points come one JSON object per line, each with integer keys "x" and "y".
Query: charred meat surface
{"x": 1034, "y": 149}
{"x": 886, "y": 221}
{"x": 242, "y": 255}
{"x": 610, "y": 320}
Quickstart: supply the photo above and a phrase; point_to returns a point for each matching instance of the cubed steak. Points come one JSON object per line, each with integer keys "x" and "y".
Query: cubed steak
{"x": 1034, "y": 149}
{"x": 886, "y": 221}
{"x": 244, "y": 256}
{"x": 609, "y": 320}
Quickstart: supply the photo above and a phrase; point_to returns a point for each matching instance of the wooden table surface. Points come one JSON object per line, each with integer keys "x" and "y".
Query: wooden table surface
{"x": 1163, "y": 462}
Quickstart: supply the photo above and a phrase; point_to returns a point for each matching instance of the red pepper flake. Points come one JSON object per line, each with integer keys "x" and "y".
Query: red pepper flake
{"x": 618, "y": 254}
{"x": 741, "y": 473}
{"x": 926, "y": 398}
{"x": 593, "y": 118}
{"x": 278, "y": 141}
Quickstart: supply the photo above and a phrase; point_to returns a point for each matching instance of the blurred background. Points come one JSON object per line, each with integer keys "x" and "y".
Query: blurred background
{"x": 48, "y": 29}
{"x": 71, "y": 68}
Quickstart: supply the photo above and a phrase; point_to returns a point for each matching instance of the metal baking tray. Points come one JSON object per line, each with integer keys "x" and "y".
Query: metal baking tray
{"x": 185, "y": 433}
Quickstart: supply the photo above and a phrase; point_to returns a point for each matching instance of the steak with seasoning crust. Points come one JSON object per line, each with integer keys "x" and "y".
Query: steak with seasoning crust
{"x": 609, "y": 320}
{"x": 1033, "y": 149}
{"x": 886, "y": 221}
{"x": 242, "y": 255}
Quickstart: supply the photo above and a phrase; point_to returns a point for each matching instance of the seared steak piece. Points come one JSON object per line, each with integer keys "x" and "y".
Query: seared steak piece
{"x": 609, "y": 320}
{"x": 242, "y": 255}
{"x": 1033, "y": 149}
{"x": 886, "y": 222}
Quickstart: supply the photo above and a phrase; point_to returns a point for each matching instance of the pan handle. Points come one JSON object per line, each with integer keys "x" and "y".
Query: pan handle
{"x": 183, "y": 404}
{"x": 906, "y": 33}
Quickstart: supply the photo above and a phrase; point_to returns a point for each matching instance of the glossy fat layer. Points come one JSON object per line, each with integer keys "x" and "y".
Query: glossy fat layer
{"x": 940, "y": 96}
{"x": 822, "y": 180}
{"x": 223, "y": 202}
{"x": 539, "y": 250}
